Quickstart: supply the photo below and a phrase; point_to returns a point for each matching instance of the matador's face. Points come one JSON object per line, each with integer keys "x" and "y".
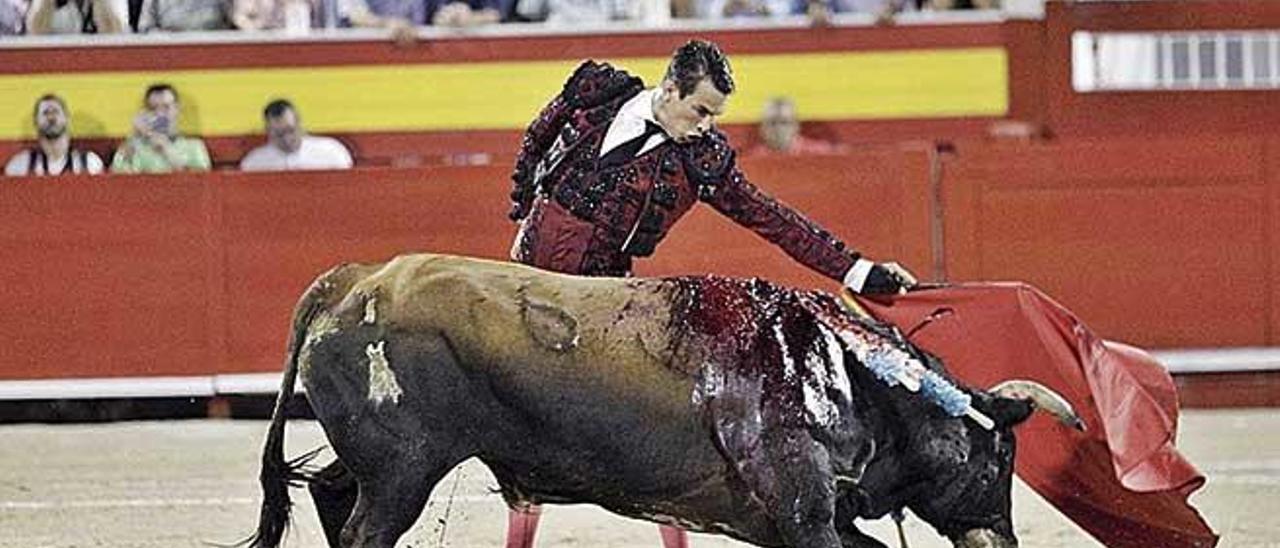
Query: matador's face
{"x": 692, "y": 116}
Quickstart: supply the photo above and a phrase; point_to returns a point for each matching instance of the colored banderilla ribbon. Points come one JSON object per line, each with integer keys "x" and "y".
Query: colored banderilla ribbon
{"x": 895, "y": 367}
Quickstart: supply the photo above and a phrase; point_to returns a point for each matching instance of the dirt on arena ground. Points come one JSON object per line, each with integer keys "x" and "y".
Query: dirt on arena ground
{"x": 193, "y": 482}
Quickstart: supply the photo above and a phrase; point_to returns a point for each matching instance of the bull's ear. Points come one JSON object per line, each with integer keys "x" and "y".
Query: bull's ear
{"x": 1008, "y": 412}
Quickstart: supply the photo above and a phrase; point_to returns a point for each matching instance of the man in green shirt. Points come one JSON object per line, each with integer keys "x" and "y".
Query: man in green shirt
{"x": 155, "y": 146}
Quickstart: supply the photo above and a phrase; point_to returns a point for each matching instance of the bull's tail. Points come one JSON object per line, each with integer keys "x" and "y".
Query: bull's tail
{"x": 277, "y": 474}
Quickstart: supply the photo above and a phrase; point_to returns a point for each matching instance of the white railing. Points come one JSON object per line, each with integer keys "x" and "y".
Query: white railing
{"x": 1184, "y": 60}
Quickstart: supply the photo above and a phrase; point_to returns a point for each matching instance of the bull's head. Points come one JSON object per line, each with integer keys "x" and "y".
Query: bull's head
{"x": 968, "y": 499}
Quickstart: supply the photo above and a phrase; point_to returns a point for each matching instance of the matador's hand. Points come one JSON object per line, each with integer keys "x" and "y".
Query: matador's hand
{"x": 869, "y": 278}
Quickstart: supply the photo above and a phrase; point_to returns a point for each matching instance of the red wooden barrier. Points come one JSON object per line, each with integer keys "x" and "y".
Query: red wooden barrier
{"x": 1155, "y": 242}
{"x": 197, "y": 274}
{"x": 1163, "y": 243}
{"x": 106, "y": 278}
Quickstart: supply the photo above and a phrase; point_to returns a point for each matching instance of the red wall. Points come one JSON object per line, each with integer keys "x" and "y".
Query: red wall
{"x": 1152, "y": 218}
{"x": 1160, "y": 242}
{"x": 1156, "y": 242}
{"x": 196, "y": 274}
{"x": 167, "y": 276}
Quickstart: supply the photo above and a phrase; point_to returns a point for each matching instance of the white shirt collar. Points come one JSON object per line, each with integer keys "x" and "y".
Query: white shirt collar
{"x": 642, "y": 105}
{"x": 629, "y": 123}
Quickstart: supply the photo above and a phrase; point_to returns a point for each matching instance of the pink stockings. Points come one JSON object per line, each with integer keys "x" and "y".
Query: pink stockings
{"x": 522, "y": 525}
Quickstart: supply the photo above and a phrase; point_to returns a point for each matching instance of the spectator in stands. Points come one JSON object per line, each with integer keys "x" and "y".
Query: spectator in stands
{"x": 749, "y": 8}
{"x": 53, "y": 153}
{"x": 780, "y": 132}
{"x": 289, "y": 147}
{"x": 280, "y": 14}
{"x": 452, "y": 13}
{"x": 943, "y": 5}
{"x": 402, "y": 16}
{"x": 155, "y": 145}
{"x": 575, "y": 12}
{"x": 13, "y": 17}
{"x": 398, "y": 16}
{"x": 820, "y": 11}
{"x": 184, "y": 15}
{"x": 729, "y": 9}
{"x": 77, "y": 17}
{"x": 258, "y": 14}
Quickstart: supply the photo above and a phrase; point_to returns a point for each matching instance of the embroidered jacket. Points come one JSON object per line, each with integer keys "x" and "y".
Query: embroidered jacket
{"x": 581, "y": 218}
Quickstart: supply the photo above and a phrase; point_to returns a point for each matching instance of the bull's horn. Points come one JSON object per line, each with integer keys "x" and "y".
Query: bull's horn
{"x": 1044, "y": 399}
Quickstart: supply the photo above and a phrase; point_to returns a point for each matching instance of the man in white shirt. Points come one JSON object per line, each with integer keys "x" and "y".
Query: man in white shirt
{"x": 78, "y": 17}
{"x": 52, "y": 154}
{"x": 289, "y": 147}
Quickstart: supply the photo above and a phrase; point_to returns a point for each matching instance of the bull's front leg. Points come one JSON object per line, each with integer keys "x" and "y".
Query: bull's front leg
{"x": 851, "y": 537}
{"x": 847, "y": 512}
{"x": 798, "y": 486}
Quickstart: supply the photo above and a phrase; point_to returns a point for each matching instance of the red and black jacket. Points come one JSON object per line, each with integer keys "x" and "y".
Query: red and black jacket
{"x": 582, "y": 218}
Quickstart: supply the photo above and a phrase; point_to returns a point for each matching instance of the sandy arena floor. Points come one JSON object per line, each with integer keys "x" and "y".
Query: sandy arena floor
{"x": 188, "y": 483}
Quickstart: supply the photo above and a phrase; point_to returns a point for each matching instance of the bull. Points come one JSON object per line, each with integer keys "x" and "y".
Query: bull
{"x": 717, "y": 405}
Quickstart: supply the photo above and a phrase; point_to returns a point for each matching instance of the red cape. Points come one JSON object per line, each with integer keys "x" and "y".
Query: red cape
{"x": 1122, "y": 480}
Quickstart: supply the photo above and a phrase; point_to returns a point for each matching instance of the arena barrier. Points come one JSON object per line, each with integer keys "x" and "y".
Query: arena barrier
{"x": 195, "y": 275}
{"x": 1150, "y": 214}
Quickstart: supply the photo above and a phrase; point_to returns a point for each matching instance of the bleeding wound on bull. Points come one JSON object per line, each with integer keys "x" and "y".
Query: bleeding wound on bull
{"x": 550, "y": 325}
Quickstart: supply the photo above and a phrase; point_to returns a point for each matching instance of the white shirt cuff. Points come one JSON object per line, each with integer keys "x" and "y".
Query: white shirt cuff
{"x": 856, "y": 277}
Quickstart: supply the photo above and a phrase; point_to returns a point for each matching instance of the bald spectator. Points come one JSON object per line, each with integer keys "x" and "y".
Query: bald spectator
{"x": 780, "y": 132}
{"x": 289, "y": 147}
{"x": 53, "y": 153}
{"x": 155, "y": 145}
{"x": 77, "y": 17}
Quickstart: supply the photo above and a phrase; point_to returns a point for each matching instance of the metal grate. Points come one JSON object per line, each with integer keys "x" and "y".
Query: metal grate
{"x": 1194, "y": 60}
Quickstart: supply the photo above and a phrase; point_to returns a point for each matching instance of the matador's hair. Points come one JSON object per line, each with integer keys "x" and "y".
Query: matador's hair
{"x": 699, "y": 59}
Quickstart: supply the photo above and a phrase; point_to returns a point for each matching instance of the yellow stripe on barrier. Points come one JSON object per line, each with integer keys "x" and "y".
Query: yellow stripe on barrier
{"x": 506, "y": 95}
